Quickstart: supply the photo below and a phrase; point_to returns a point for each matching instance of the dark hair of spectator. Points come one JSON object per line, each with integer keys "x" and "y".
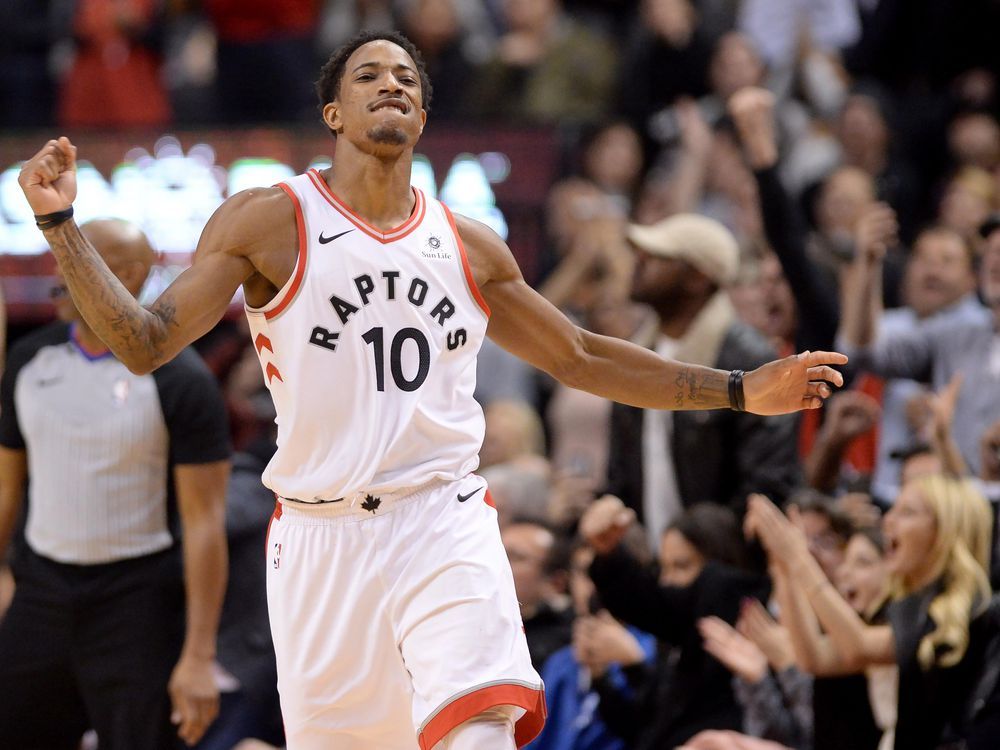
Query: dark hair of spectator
{"x": 714, "y": 531}
{"x": 808, "y": 500}
{"x": 874, "y": 535}
{"x": 332, "y": 73}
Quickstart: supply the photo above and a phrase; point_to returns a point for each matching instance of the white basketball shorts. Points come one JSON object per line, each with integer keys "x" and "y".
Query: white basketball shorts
{"x": 395, "y": 620}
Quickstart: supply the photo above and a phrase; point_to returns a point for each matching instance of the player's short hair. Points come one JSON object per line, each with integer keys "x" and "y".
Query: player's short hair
{"x": 332, "y": 73}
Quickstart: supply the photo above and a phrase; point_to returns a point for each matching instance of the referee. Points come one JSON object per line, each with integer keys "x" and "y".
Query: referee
{"x": 112, "y": 626}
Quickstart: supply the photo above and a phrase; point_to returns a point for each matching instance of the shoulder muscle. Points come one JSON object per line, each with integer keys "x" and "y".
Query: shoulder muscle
{"x": 489, "y": 256}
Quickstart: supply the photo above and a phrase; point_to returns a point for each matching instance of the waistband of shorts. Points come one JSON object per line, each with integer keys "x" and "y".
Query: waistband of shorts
{"x": 359, "y": 506}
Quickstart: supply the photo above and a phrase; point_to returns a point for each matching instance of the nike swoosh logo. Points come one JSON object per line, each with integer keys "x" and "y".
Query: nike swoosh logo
{"x": 463, "y": 498}
{"x": 325, "y": 240}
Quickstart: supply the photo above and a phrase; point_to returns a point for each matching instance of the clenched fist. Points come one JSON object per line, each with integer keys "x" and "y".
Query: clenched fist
{"x": 48, "y": 178}
{"x": 605, "y": 522}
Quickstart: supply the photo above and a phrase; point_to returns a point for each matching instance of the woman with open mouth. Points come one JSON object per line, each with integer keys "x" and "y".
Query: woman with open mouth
{"x": 939, "y": 622}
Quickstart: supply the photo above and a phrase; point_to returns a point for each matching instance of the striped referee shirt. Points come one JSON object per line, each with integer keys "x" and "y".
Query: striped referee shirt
{"x": 102, "y": 442}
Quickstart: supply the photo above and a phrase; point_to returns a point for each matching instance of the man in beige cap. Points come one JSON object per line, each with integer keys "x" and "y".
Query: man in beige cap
{"x": 661, "y": 462}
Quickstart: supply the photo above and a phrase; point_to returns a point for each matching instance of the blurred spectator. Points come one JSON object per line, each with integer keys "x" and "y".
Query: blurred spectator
{"x": 734, "y": 64}
{"x": 850, "y": 414}
{"x": 450, "y": 35}
{"x": 974, "y": 140}
{"x": 116, "y": 55}
{"x": 249, "y": 705}
{"x": 665, "y": 56}
{"x": 864, "y": 130}
{"x": 689, "y": 690}
{"x": 500, "y": 376}
{"x": 783, "y": 29}
{"x": 934, "y": 351}
{"x": 601, "y": 647}
{"x": 660, "y": 461}
{"x": 937, "y": 540}
{"x": 520, "y": 492}
{"x": 613, "y": 160}
{"x": 27, "y": 88}
{"x": 969, "y": 198}
{"x": 547, "y": 68}
{"x": 938, "y": 285}
{"x": 540, "y": 564}
{"x": 264, "y": 58}
{"x": 775, "y": 695}
{"x": 513, "y": 429}
{"x": 96, "y": 636}
{"x": 342, "y": 19}
{"x": 826, "y": 529}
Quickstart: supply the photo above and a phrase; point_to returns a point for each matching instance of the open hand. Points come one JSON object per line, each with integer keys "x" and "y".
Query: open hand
{"x": 783, "y": 542}
{"x": 48, "y": 178}
{"x": 757, "y": 625}
{"x": 801, "y": 381}
{"x": 738, "y": 654}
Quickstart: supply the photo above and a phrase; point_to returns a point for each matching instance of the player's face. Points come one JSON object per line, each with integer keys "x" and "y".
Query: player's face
{"x": 380, "y": 100}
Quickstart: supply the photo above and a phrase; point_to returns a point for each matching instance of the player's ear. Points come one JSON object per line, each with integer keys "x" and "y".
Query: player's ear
{"x": 423, "y": 119}
{"x": 331, "y": 116}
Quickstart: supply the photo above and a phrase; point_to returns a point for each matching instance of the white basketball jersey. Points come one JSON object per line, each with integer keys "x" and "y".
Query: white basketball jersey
{"x": 369, "y": 352}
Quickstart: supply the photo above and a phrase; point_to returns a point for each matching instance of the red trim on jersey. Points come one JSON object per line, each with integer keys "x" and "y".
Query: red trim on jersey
{"x": 469, "y": 279}
{"x": 300, "y": 262}
{"x": 396, "y": 233}
{"x": 262, "y": 342}
{"x": 488, "y": 499}
{"x": 274, "y": 517}
{"x": 273, "y": 372}
{"x": 465, "y": 707}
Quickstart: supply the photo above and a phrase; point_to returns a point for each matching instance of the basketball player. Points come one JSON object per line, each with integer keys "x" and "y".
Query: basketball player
{"x": 391, "y": 601}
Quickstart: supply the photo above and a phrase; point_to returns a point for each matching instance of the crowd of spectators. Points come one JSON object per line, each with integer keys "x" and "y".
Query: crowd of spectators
{"x": 745, "y": 179}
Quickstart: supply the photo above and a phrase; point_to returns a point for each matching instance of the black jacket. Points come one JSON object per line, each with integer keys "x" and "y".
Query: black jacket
{"x": 688, "y": 690}
{"x": 719, "y": 455}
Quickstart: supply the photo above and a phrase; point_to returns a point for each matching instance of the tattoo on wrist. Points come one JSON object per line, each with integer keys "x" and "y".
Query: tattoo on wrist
{"x": 701, "y": 387}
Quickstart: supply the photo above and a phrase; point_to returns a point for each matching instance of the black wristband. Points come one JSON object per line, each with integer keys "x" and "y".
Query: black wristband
{"x": 737, "y": 400}
{"x": 47, "y": 221}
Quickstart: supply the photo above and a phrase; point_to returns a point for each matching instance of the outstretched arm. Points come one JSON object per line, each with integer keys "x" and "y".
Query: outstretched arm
{"x": 525, "y": 324}
{"x": 144, "y": 339}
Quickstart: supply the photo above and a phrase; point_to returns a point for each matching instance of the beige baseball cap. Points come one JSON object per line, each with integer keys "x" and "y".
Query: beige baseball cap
{"x": 704, "y": 243}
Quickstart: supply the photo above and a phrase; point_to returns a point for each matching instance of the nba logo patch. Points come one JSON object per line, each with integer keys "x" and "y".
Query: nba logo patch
{"x": 276, "y": 560}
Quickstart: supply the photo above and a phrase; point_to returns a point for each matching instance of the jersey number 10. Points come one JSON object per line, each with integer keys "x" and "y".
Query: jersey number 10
{"x": 376, "y": 338}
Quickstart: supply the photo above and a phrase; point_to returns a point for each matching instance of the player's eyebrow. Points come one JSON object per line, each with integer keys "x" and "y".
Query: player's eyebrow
{"x": 398, "y": 66}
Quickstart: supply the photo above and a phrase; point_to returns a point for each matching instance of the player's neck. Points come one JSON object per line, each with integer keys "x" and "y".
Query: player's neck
{"x": 375, "y": 188}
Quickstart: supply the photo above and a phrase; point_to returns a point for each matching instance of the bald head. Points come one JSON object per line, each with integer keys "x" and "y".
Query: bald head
{"x": 124, "y": 248}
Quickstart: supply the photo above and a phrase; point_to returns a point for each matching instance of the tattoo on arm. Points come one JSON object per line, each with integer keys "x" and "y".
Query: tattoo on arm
{"x": 701, "y": 387}
{"x": 131, "y": 332}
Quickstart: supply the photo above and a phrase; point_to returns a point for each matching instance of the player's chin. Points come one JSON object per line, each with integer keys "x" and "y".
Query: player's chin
{"x": 388, "y": 134}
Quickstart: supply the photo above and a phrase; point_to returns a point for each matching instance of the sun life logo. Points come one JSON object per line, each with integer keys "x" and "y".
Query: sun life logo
{"x": 434, "y": 249}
